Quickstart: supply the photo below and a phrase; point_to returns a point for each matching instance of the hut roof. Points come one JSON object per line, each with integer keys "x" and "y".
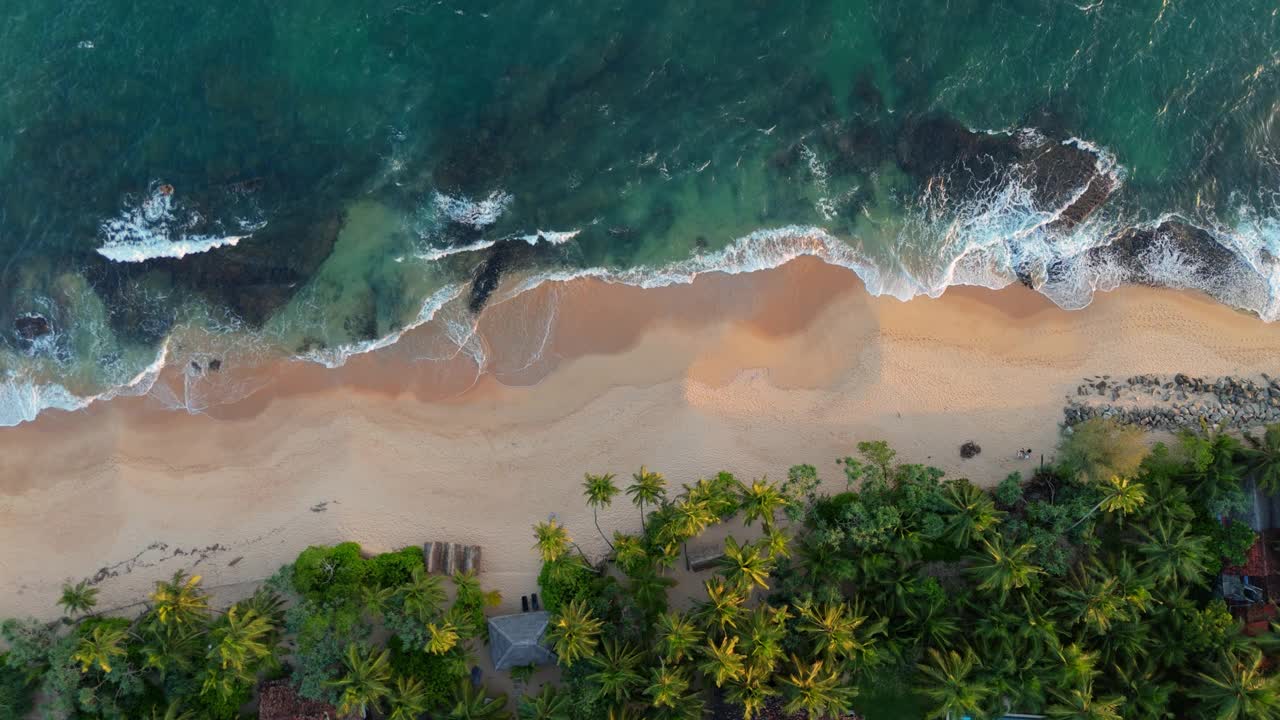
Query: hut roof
{"x": 516, "y": 640}
{"x": 277, "y": 700}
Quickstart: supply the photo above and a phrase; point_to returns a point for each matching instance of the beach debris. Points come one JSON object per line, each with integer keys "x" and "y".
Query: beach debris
{"x": 970, "y": 449}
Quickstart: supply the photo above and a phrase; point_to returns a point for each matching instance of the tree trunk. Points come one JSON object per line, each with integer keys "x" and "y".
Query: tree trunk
{"x": 595, "y": 515}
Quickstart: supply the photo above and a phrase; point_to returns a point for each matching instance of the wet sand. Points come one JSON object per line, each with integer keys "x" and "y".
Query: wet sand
{"x": 750, "y": 373}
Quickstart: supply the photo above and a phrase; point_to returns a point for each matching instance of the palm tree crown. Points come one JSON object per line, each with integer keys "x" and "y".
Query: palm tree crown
{"x": 365, "y": 680}
{"x": 573, "y": 632}
{"x": 552, "y": 540}
{"x": 1000, "y": 570}
{"x": 78, "y": 598}
{"x": 180, "y": 600}
{"x": 646, "y": 488}
{"x": 599, "y": 491}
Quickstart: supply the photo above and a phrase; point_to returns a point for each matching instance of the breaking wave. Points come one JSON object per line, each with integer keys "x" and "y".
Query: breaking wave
{"x": 994, "y": 238}
{"x": 158, "y": 227}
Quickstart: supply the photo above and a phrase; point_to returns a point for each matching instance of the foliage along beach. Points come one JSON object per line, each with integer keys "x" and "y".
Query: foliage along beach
{"x": 1086, "y": 590}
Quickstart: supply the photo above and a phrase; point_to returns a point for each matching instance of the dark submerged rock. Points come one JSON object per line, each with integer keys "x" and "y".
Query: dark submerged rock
{"x": 969, "y": 450}
{"x": 31, "y": 326}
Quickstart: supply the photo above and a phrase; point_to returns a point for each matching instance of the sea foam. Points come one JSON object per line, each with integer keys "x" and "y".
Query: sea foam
{"x": 157, "y": 227}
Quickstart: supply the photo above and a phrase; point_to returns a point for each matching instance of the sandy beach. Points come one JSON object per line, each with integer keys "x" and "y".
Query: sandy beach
{"x": 750, "y": 373}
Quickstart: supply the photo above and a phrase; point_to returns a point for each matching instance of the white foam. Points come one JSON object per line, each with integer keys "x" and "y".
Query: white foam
{"x": 157, "y": 228}
{"x": 552, "y": 237}
{"x": 22, "y": 399}
{"x": 337, "y": 356}
{"x": 476, "y": 213}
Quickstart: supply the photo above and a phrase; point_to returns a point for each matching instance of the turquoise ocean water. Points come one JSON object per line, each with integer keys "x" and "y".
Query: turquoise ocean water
{"x": 239, "y": 180}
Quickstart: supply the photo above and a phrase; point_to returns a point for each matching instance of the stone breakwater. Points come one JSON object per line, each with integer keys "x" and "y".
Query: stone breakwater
{"x": 1162, "y": 402}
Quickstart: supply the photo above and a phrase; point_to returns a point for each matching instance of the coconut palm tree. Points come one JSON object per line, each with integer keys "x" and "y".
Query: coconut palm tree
{"x": 722, "y": 608}
{"x": 829, "y": 628}
{"x": 423, "y": 595}
{"x": 1167, "y": 500}
{"x": 777, "y": 542}
{"x": 101, "y": 648}
{"x": 365, "y": 680}
{"x": 667, "y": 686}
{"x": 646, "y": 488}
{"x": 1237, "y": 689}
{"x": 972, "y": 514}
{"x": 549, "y": 704}
{"x": 1121, "y": 495}
{"x": 677, "y": 636}
{"x": 239, "y": 643}
{"x": 617, "y": 670}
{"x": 1175, "y": 555}
{"x": 952, "y": 686}
{"x": 407, "y": 699}
{"x": 1079, "y": 666}
{"x": 629, "y": 552}
{"x": 171, "y": 650}
{"x": 816, "y": 689}
{"x": 933, "y": 620}
{"x": 472, "y": 702}
{"x": 1096, "y": 602}
{"x": 650, "y": 589}
{"x": 761, "y": 500}
{"x": 573, "y": 632}
{"x": 1262, "y": 458}
{"x": 763, "y": 637}
{"x": 599, "y": 491}
{"x": 751, "y": 690}
{"x": 78, "y": 598}
{"x": 687, "y": 520}
{"x": 745, "y": 566}
{"x": 552, "y": 540}
{"x": 722, "y": 662}
{"x": 180, "y": 601}
{"x": 1079, "y": 703}
{"x": 441, "y": 638}
{"x": 999, "y": 569}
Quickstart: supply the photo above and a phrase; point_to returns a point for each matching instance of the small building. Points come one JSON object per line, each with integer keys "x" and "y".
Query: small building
{"x": 1252, "y": 590}
{"x": 520, "y": 639}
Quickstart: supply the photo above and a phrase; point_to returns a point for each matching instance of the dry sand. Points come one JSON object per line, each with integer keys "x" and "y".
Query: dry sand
{"x": 750, "y": 373}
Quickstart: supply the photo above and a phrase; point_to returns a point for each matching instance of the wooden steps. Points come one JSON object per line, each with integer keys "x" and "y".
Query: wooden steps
{"x": 445, "y": 558}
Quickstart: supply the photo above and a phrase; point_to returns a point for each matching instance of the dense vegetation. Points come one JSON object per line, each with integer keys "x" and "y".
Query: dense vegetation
{"x": 314, "y": 621}
{"x": 1085, "y": 591}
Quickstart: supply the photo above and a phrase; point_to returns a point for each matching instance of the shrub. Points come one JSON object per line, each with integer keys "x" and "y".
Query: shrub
{"x": 440, "y": 673}
{"x": 1232, "y": 540}
{"x": 1099, "y": 449}
{"x": 1009, "y": 492}
{"x": 393, "y": 569}
{"x": 330, "y": 573}
{"x": 564, "y": 581}
{"x": 15, "y": 693}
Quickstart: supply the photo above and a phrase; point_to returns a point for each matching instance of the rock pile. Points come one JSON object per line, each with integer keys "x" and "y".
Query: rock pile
{"x": 1162, "y": 402}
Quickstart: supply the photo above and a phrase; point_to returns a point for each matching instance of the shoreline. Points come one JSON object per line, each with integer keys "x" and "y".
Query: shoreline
{"x": 751, "y": 373}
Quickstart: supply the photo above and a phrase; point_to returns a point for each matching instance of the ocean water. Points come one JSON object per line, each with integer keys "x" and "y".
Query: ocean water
{"x": 212, "y": 185}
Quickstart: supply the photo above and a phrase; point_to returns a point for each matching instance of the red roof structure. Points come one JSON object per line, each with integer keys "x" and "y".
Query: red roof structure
{"x": 1261, "y": 561}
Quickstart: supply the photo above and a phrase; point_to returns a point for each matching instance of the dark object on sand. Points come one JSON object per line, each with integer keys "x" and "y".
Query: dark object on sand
{"x": 969, "y": 450}
{"x": 533, "y": 600}
{"x": 524, "y": 603}
{"x": 476, "y": 675}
